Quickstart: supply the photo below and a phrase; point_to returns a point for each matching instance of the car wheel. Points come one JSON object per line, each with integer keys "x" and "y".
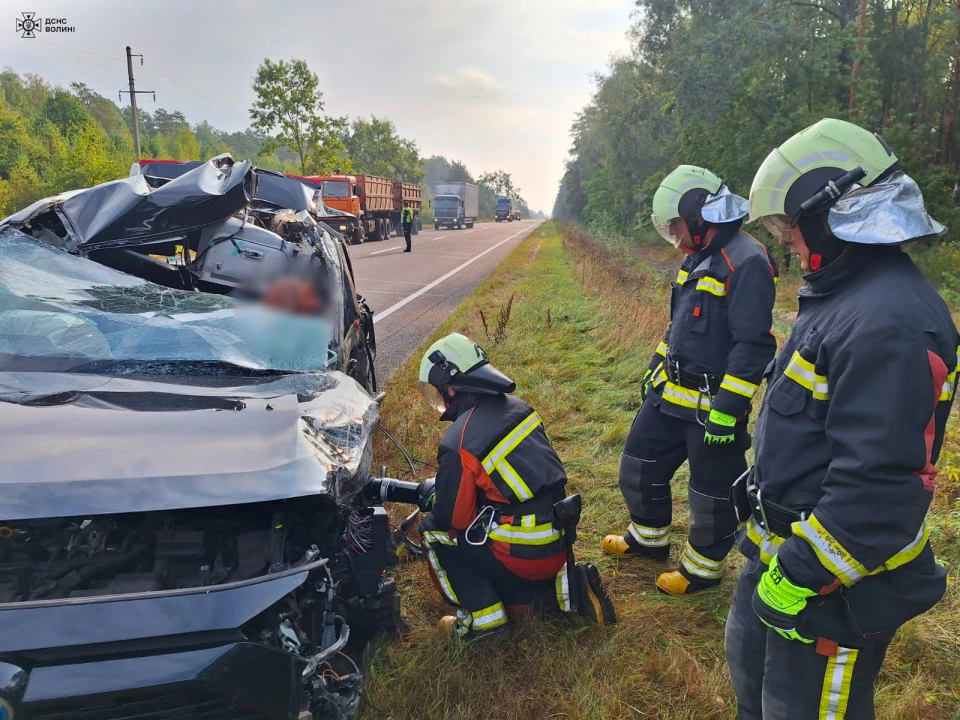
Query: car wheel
{"x": 436, "y": 226}
{"x": 357, "y": 236}
{"x": 470, "y": 226}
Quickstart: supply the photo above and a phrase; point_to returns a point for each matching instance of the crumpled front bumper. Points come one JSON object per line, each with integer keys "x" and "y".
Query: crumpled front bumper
{"x": 172, "y": 655}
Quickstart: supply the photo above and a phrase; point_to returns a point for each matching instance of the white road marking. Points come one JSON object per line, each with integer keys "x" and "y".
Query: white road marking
{"x": 427, "y": 288}
{"x": 394, "y": 282}
{"x": 398, "y": 247}
{"x": 381, "y": 252}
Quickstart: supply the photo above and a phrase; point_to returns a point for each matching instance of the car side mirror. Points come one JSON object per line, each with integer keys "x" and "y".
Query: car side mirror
{"x": 357, "y": 190}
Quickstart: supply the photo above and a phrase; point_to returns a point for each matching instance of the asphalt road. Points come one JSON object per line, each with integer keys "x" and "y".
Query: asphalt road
{"x": 412, "y": 293}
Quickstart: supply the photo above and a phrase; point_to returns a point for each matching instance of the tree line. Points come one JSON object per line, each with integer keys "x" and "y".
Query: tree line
{"x": 719, "y": 83}
{"x": 54, "y": 139}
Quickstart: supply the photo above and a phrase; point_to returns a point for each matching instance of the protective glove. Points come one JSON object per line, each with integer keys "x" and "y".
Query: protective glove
{"x": 645, "y": 384}
{"x": 428, "y": 495}
{"x": 778, "y": 602}
{"x": 719, "y": 428}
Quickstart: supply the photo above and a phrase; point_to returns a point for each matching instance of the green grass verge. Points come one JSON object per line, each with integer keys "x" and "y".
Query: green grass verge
{"x": 582, "y": 325}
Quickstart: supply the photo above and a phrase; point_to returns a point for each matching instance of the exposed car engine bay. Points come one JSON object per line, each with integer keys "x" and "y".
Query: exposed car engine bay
{"x": 347, "y": 551}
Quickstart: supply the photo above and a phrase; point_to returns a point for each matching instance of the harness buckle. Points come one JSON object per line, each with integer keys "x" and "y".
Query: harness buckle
{"x": 754, "y": 494}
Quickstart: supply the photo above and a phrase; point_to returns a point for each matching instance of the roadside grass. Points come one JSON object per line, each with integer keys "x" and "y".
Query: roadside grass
{"x": 584, "y": 320}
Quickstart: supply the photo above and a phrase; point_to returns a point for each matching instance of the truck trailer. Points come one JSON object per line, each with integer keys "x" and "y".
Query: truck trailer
{"x": 455, "y": 205}
{"x": 375, "y": 201}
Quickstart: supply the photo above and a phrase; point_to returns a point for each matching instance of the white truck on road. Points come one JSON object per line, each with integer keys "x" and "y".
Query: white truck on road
{"x": 455, "y": 205}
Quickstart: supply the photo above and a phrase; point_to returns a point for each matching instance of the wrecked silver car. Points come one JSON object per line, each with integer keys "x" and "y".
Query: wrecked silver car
{"x": 183, "y": 532}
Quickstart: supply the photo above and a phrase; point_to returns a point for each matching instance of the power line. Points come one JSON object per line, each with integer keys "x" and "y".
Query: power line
{"x": 206, "y": 96}
{"x": 67, "y": 47}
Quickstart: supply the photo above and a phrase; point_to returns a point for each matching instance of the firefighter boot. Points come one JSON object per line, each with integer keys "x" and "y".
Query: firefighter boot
{"x": 629, "y": 545}
{"x": 593, "y": 602}
{"x": 696, "y": 572}
{"x": 677, "y": 583}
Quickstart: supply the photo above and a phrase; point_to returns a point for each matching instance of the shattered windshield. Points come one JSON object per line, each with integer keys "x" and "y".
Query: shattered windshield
{"x": 60, "y": 312}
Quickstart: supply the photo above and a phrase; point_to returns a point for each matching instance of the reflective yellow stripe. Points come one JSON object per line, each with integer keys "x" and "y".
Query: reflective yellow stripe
{"x": 650, "y": 536}
{"x": 514, "y": 438}
{"x": 685, "y": 397}
{"x": 714, "y": 287}
{"x": 445, "y": 585}
{"x": 563, "y": 590}
{"x": 516, "y": 483}
{"x": 949, "y": 389}
{"x": 496, "y": 459}
{"x": 662, "y": 349}
{"x": 767, "y": 542}
{"x": 738, "y": 386}
{"x": 682, "y": 277}
{"x": 803, "y": 372}
{"x": 908, "y": 553}
{"x": 659, "y": 376}
{"x": 833, "y": 556}
{"x": 489, "y": 617}
{"x": 703, "y": 567}
{"x": 836, "y": 684}
{"x": 439, "y": 537}
{"x": 542, "y": 534}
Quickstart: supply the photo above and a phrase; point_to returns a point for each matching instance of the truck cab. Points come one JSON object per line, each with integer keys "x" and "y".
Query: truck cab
{"x": 341, "y": 192}
{"x": 448, "y": 211}
{"x": 503, "y": 211}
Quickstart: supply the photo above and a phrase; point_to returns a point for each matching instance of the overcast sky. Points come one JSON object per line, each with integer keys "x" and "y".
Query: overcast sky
{"x": 494, "y": 83}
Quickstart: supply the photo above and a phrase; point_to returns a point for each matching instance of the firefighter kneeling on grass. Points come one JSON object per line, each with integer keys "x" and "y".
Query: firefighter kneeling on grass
{"x": 498, "y": 538}
{"x": 847, "y": 438}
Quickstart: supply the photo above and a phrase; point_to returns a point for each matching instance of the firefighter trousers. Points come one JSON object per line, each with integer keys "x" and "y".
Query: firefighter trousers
{"x": 471, "y": 578}
{"x": 656, "y": 447}
{"x": 779, "y": 679}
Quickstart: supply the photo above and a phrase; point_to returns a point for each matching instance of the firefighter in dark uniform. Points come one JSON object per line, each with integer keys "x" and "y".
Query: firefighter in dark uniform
{"x": 491, "y": 539}
{"x": 846, "y": 441}
{"x": 406, "y": 220}
{"x": 698, "y": 387}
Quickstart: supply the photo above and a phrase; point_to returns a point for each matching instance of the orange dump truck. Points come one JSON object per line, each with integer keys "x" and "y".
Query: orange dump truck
{"x": 375, "y": 201}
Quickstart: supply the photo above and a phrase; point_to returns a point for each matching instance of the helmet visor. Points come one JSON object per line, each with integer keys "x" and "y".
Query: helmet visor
{"x": 664, "y": 231}
{"x": 779, "y": 226}
{"x": 433, "y": 397}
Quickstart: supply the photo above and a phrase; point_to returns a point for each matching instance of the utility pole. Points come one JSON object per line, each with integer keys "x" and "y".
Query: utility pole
{"x": 133, "y": 92}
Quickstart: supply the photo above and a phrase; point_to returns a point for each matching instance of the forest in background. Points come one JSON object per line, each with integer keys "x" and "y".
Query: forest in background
{"x": 719, "y": 83}
{"x": 54, "y": 139}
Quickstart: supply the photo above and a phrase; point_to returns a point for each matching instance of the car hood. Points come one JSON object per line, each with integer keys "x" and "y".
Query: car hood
{"x": 78, "y": 444}
{"x": 130, "y": 210}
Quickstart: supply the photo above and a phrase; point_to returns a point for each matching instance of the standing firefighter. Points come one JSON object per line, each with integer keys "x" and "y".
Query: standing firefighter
{"x": 846, "y": 441}
{"x": 406, "y": 220}
{"x": 499, "y": 536}
{"x": 699, "y": 385}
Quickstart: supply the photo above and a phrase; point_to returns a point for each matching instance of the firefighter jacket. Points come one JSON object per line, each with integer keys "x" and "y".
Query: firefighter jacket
{"x": 850, "y": 429}
{"x": 496, "y": 455}
{"x": 721, "y": 311}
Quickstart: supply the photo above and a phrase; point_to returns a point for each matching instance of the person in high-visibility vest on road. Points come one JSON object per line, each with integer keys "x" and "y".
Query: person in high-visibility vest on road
{"x": 406, "y": 220}
{"x": 852, "y": 422}
{"x": 700, "y": 383}
{"x": 494, "y": 539}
